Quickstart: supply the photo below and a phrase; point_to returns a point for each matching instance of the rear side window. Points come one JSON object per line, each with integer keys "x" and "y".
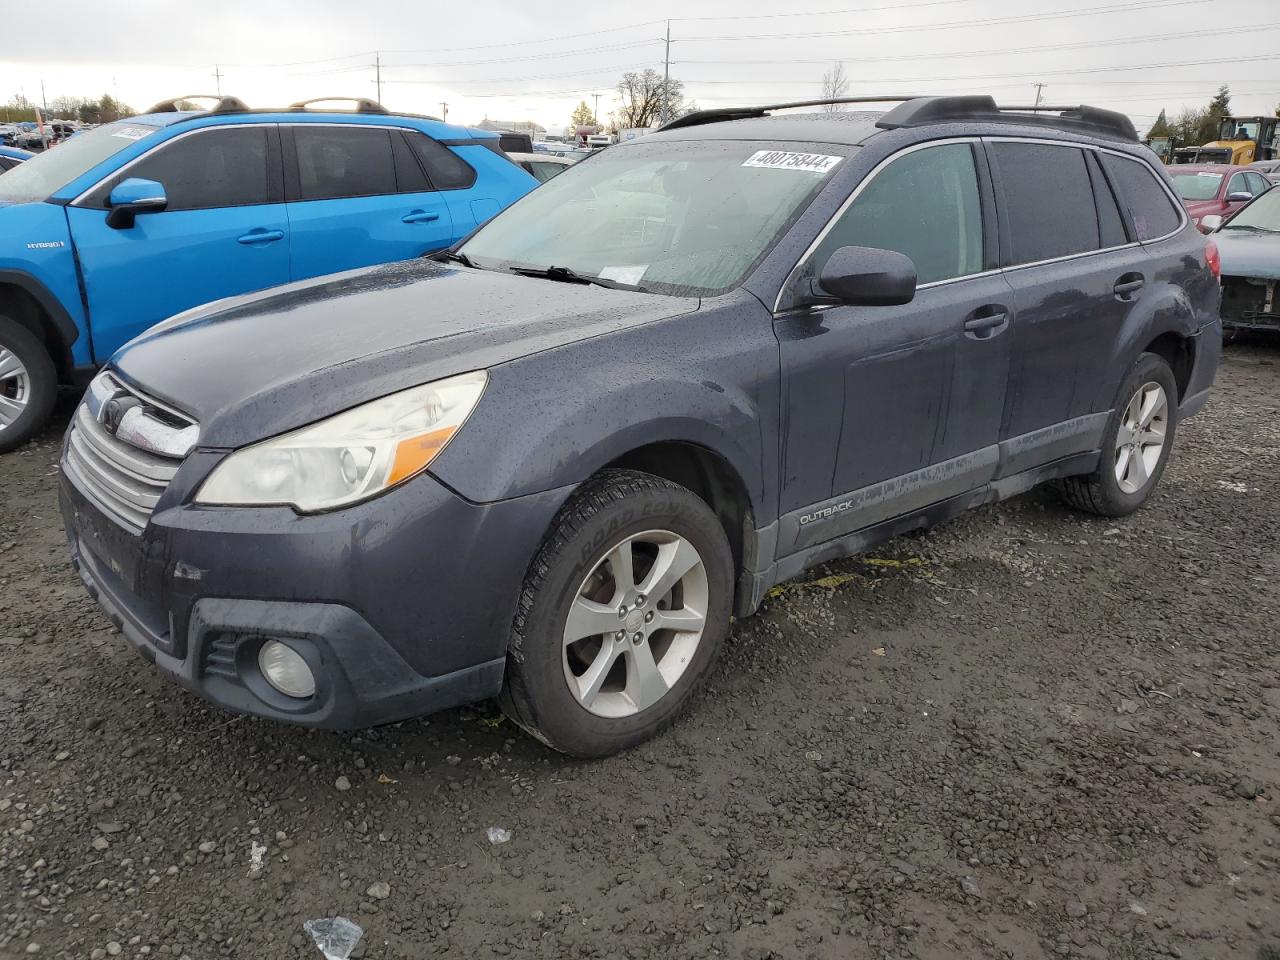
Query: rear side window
{"x": 211, "y": 168}
{"x": 924, "y": 204}
{"x": 336, "y": 162}
{"x": 1150, "y": 208}
{"x": 447, "y": 170}
{"x": 1257, "y": 183}
{"x": 1048, "y": 201}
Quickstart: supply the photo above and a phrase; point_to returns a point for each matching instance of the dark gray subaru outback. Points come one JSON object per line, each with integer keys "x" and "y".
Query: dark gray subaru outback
{"x": 550, "y": 467}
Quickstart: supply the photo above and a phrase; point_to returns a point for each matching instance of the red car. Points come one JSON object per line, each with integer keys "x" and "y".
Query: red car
{"x": 1218, "y": 188}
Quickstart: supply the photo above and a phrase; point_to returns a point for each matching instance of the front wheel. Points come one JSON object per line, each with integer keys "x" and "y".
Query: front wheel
{"x": 28, "y": 384}
{"x": 1135, "y": 445}
{"x": 621, "y": 616}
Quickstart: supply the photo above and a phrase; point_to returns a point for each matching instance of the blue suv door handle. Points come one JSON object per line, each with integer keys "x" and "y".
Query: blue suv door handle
{"x": 419, "y": 216}
{"x": 261, "y": 236}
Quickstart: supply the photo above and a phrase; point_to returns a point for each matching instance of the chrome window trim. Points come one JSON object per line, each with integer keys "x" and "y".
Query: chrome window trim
{"x": 875, "y": 171}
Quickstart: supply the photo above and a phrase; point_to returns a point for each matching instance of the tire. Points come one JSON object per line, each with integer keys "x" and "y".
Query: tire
{"x": 27, "y": 395}
{"x": 1105, "y": 491}
{"x": 652, "y": 523}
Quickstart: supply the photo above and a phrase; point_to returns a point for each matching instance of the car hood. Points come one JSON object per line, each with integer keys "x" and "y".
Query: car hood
{"x": 251, "y": 367}
{"x": 1248, "y": 254}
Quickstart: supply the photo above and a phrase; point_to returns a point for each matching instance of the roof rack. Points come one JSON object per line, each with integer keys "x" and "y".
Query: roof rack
{"x": 1086, "y": 119}
{"x": 916, "y": 111}
{"x": 363, "y": 104}
{"x": 222, "y": 104}
{"x": 699, "y": 117}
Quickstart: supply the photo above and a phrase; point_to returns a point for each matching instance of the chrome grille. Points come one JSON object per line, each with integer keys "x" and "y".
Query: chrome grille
{"x": 120, "y": 477}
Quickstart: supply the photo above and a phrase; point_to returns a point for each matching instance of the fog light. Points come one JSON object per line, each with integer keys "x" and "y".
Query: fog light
{"x": 285, "y": 670}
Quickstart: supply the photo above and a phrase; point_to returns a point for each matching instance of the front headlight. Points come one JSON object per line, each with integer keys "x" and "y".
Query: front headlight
{"x": 351, "y": 456}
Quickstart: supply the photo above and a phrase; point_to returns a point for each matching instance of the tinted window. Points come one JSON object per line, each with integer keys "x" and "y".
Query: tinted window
{"x": 338, "y": 162}
{"x": 6, "y": 163}
{"x": 1048, "y": 201}
{"x": 210, "y": 168}
{"x": 544, "y": 171}
{"x": 409, "y": 175}
{"x": 1150, "y": 207}
{"x": 925, "y": 205}
{"x": 1110, "y": 223}
{"x": 446, "y": 169}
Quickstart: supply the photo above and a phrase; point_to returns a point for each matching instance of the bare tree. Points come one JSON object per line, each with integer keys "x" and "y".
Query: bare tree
{"x": 643, "y": 96}
{"x": 835, "y": 84}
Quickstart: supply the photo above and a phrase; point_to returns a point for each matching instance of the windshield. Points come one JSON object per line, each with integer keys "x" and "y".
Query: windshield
{"x": 1197, "y": 186}
{"x": 1262, "y": 214}
{"x": 1239, "y": 130}
{"x": 682, "y": 218}
{"x": 48, "y": 172}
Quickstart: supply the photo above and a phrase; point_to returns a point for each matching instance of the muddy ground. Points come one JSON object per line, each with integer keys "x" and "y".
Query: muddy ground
{"x": 1029, "y": 733}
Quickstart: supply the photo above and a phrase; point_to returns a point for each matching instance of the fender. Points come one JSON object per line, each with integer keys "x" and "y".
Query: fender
{"x": 67, "y": 330}
{"x": 554, "y": 418}
{"x": 1166, "y": 307}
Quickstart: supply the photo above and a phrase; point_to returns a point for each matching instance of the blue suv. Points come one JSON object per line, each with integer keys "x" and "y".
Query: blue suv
{"x": 138, "y": 220}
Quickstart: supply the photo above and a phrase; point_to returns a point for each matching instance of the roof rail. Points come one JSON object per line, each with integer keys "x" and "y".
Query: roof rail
{"x": 222, "y": 104}
{"x": 699, "y": 117}
{"x": 924, "y": 110}
{"x": 363, "y": 104}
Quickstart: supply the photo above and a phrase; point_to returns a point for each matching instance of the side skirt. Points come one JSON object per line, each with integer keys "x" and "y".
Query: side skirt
{"x": 753, "y": 586}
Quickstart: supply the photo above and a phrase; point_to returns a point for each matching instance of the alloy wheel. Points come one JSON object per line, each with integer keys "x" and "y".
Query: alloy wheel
{"x": 635, "y": 624}
{"x": 15, "y": 388}
{"x": 1141, "y": 436}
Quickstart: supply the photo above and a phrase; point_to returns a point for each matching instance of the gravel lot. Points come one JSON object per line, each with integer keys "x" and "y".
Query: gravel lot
{"x": 1029, "y": 733}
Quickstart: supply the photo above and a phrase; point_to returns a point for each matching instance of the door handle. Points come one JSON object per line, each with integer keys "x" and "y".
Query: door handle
{"x": 260, "y": 236}
{"x": 987, "y": 322}
{"x": 1129, "y": 286}
{"x": 419, "y": 216}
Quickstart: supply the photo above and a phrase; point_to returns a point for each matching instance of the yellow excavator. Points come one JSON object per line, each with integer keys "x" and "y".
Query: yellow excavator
{"x": 1241, "y": 140}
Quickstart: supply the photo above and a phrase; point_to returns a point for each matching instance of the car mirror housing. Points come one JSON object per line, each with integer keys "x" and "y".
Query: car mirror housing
{"x": 1240, "y": 196}
{"x": 866, "y": 276}
{"x": 132, "y": 197}
{"x": 1210, "y": 223}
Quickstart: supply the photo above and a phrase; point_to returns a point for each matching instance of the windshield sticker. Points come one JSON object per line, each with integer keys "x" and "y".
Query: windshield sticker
{"x": 628, "y": 275}
{"x": 782, "y": 160}
{"x": 132, "y": 133}
{"x": 1216, "y": 176}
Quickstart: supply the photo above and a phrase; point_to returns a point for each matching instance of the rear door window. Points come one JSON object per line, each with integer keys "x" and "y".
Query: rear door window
{"x": 336, "y": 162}
{"x": 1151, "y": 210}
{"x": 925, "y": 204}
{"x": 1047, "y": 199}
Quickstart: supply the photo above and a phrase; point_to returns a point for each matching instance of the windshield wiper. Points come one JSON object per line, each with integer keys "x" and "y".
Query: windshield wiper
{"x": 454, "y": 256}
{"x": 565, "y": 275}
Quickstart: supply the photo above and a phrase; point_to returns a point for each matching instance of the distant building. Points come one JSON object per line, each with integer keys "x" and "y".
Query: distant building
{"x": 534, "y": 130}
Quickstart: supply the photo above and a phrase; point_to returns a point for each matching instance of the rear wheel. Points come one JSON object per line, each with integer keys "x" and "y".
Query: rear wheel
{"x": 28, "y": 384}
{"x": 621, "y": 616}
{"x": 1135, "y": 446}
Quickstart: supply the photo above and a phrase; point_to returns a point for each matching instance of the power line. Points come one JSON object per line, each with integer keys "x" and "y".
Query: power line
{"x": 1005, "y": 51}
{"x": 955, "y": 24}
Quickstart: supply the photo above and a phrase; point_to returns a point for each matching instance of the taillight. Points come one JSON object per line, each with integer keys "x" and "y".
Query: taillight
{"x": 1212, "y": 259}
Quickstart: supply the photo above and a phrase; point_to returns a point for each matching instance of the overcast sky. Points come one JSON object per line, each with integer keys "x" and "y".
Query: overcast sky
{"x": 523, "y": 60}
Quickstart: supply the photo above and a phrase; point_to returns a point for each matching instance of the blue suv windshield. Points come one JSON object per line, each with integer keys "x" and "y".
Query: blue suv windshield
{"x": 45, "y": 174}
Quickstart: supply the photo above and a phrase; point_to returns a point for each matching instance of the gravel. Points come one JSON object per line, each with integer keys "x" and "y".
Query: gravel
{"x": 990, "y": 740}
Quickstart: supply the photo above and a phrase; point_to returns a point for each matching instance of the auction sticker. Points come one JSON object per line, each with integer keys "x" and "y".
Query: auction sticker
{"x": 133, "y": 133}
{"x": 783, "y": 160}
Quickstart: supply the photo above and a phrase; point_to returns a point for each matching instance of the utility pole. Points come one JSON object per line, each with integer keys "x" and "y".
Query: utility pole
{"x": 1039, "y": 89}
{"x": 444, "y": 110}
{"x": 377, "y": 66}
{"x": 217, "y": 77}
{"x": 44, "y": 115}
{"x": 666, "y": 75}
{"x": 595, "y": 111}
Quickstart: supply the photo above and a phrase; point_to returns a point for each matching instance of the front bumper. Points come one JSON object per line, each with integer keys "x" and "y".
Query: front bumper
{"x": 401, "y": 605}
{"x": 1250, "y": 304}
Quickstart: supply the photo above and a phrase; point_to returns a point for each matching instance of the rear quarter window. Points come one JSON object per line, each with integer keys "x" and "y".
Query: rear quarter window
{"x": 1151, "y": 210}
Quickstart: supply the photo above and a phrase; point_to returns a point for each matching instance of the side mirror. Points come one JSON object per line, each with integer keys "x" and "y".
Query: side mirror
{"x": 1240, "y": 196}
{"x": 132, "y": 197}
{"x": 1210, "y": 223}
{"x": 866, "y": 276}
